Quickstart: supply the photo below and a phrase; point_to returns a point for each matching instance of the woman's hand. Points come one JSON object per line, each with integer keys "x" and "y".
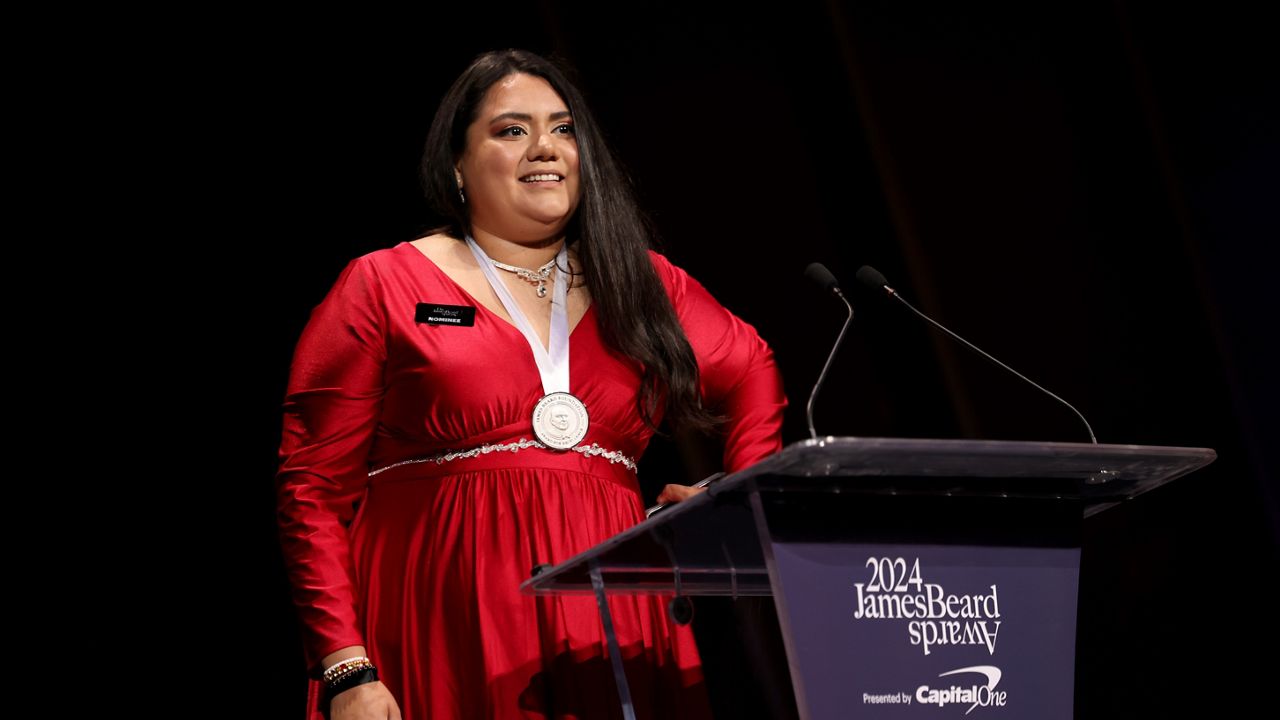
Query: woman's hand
{"x": 370, "y": 701}
{"x": 677, "y": 493}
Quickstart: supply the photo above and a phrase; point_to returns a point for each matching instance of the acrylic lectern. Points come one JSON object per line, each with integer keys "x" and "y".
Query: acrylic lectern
{"x": 910, "y": 576}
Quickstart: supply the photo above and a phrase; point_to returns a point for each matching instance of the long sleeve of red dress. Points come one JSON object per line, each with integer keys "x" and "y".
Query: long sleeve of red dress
{"x": 330, "y": 412}
{"x": 739, "y": 377}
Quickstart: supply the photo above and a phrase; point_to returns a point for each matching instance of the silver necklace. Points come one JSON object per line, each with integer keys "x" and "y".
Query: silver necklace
{"x": 539, "y": 276}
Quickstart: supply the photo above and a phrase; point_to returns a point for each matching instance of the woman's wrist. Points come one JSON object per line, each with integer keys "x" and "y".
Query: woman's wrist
{"x": 346, "y": 668}
{"x": 362, "y": 676}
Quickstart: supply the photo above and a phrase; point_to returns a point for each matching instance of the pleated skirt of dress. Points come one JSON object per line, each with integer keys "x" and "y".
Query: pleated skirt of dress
{"x": 439, "y": 560}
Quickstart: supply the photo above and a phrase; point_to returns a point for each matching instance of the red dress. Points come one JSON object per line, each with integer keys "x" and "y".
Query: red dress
{"x": 421, "y": 563}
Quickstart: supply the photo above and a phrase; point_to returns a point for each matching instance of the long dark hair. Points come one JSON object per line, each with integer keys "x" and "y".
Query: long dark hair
{"x": 635, "y": 315}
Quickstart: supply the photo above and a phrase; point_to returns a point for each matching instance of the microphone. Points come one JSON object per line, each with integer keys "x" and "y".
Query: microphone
{"x": 871, "y": 278}
{"x": 820, "y": 275}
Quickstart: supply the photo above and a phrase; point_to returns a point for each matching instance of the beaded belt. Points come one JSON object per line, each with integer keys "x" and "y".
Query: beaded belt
{"x": 592, "y": 450}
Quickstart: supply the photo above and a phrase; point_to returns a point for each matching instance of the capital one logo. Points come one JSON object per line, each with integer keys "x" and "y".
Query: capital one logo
{"x": 984, "y": 695}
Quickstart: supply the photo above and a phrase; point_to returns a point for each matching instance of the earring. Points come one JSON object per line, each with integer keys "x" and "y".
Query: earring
{"x": 457, "y": 176}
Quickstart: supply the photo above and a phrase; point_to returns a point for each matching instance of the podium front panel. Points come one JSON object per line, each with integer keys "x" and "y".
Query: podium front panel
{"x": 920, "y": 631}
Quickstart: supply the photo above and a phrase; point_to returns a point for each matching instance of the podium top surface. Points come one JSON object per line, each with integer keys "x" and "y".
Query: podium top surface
{"x": 1137, "y": 467}
{"x": 1094, "y": 475}
{"x": 1098, "y": 475}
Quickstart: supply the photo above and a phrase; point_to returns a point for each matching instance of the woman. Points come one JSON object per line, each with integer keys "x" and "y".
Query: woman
{"x": 437, "y": 446}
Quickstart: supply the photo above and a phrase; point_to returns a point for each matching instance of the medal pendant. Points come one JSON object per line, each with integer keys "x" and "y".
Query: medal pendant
{"x": 560, "y": 420}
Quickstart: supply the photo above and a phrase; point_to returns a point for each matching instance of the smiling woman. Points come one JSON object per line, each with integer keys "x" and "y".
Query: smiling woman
{"x": 437, "y": 445}
{"x": 520, "y": 163}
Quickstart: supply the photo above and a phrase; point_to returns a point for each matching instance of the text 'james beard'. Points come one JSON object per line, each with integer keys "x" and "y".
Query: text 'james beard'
{"x": 937, "y": 618}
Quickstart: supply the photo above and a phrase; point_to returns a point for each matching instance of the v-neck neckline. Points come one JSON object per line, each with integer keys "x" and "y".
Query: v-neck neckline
{"x": 418, "y": 251}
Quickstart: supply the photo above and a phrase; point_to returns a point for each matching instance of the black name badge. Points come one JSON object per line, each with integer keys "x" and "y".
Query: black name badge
{"x": 437, "y": 314}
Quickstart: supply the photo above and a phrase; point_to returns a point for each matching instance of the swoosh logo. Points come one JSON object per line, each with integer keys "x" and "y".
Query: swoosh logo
{"x": 991, "y": 671}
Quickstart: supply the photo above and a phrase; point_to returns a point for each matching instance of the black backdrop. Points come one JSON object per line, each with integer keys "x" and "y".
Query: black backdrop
{"x": 1083, "y": 189}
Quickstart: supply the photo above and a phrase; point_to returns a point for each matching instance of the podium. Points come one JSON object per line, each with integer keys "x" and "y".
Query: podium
{"x": 912, "y": 578}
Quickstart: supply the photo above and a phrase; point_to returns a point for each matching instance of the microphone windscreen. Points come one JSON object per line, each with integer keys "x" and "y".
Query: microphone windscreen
{"x": 870, "y": 277}
{"x": 820, "y": 275}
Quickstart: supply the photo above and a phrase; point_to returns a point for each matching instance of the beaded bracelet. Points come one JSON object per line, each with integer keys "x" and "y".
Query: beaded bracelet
{"x": 350, "y": 680}
{"x": 330, "y": 670}
{"x": 343, "y": 667}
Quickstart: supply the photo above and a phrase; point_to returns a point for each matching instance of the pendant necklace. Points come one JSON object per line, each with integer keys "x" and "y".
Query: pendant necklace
{"x": 560, "y": 420}
{"x": 539, "y": 276}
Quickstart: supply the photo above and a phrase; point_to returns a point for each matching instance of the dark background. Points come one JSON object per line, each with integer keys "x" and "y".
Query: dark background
{"x": 1084, "y": 189}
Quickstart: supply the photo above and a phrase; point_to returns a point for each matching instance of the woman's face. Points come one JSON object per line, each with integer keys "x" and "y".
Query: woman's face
{"x": 520, "y": 167}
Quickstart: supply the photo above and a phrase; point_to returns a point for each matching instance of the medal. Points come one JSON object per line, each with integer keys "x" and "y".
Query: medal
{"x": 559, "y": 419}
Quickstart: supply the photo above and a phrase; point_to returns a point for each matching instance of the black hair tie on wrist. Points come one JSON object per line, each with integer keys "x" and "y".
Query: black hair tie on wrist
{"x": 346, "y": 682}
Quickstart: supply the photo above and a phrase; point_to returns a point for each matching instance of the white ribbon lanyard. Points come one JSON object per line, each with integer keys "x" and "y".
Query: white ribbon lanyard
{"x": 553, "y": 361}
